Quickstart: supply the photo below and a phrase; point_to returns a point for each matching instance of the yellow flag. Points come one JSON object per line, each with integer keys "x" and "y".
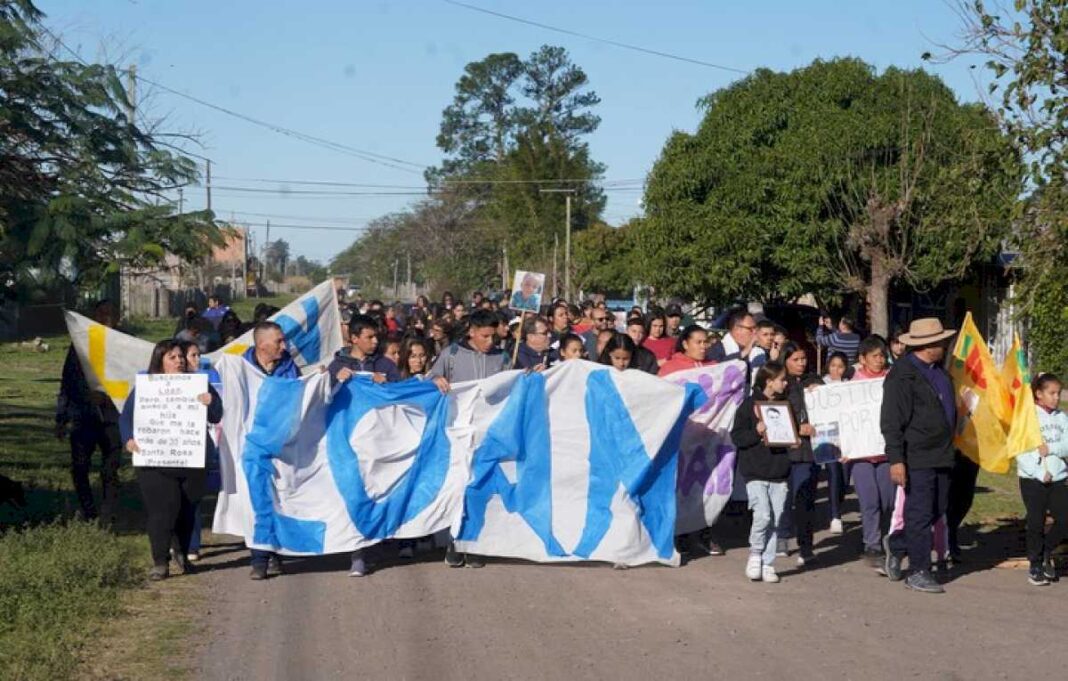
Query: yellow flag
{"x": 983, "y": 413}
{"x": 1024, "y": 432}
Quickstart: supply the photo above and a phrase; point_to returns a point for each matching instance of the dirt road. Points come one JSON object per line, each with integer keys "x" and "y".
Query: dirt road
{"x": 703, "y": 620}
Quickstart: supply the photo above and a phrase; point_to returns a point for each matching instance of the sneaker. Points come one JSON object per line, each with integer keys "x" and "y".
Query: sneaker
{"x": 274, "y": 565}
{"x": 192, "y": 556}
{"x": 620, "y": 566}
{"x": 473, "y": 561}
{"x": 752, "y": 568}
{"x": 259, "y": 571}
{"x": 187, "y": 567}
{"x": 158, "y": 573}
{"x": 836, "y": 526}
{"x": 714, "y": 549}
{"x": 806, "y": 558}
{"x": 892, "y": 567}
{"x": 453, "y": 558}
{"x": 407, "y": 551}
{"x": 1049, "y": 568}
{"x": 1036, "y": 576}
{"x": 358, "y": 568}
{"x": 782, "y": 548}
{"x": 922, "y": 581}
{"x": 768, "y": 574}
{"x": 875, "y": 560}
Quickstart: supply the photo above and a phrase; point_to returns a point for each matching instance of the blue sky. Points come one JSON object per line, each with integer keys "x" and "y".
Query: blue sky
{"x": 376, "y": 76}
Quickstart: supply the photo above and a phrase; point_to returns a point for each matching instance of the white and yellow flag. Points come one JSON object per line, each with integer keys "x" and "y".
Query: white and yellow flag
{"x": 111, "y": 359}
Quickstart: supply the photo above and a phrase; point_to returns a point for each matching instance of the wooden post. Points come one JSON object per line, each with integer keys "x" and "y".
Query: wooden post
{"x": 518, "y": 336}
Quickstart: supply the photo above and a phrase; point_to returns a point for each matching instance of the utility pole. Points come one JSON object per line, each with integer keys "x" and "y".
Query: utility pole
{"x": 567, "y": 236}
{"x": 408, "y": 286}
{"x": 265, "y": 269}
{"x": 207, "y": 179}
{"x": 395, "y": 263}
{"x": 556, "y": 247}
{"x": 504, "y": 268}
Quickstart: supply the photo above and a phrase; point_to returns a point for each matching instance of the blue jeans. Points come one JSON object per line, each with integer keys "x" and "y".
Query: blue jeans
{"x": 836, "y": 487}
{"x": 766, "y": 501}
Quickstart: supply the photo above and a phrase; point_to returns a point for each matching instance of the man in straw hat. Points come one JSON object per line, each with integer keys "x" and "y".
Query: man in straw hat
{"x": 919, "y": 415}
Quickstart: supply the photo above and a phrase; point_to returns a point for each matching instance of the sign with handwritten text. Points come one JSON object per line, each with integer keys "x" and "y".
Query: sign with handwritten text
{"x": 846, "y": 415}
{"x": 170, "y": 423}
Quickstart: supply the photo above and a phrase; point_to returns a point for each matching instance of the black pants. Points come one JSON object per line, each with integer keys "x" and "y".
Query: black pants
{"x": 961, "y": 494}
{"x": 171, "y": 496}
{"x": 926, "y": 499}
{"x": 1038, "y": 498}
{"x": 86, "y": 438}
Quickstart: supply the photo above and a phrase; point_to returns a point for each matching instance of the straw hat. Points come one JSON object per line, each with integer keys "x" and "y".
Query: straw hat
{"x": 925, "y": 332}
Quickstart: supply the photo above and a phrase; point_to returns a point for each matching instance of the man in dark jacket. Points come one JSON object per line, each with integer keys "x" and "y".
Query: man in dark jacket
{"x": 919, "y": 415}
{"x": 93, "y": 422}
{"x": 535, "y": 354}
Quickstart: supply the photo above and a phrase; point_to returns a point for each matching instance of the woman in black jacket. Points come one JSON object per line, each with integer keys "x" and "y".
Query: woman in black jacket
{"x": 804, "y": 473}
{"x": 170, "y": 494}
{"x": 765, "y": 470}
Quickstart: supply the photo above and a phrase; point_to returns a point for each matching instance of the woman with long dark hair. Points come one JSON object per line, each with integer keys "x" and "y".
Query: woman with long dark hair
{"x": 656, "y": 339}
{"x": 170, "y": 494}
{"x": 804, "y": 473}
{"x": 415, "y": 357}
{"x": 619, "y": 352}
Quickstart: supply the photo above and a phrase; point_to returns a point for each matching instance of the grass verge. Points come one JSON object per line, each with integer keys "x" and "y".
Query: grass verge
{"x": 58, "y": 583}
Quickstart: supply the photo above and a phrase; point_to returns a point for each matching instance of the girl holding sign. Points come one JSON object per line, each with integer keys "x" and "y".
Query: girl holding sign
{"x": 170, "y": 493}
{"x": 871, "y": 475}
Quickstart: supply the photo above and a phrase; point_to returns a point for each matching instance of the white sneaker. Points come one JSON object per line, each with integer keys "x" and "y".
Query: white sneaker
{"x": 752, "y": 568}
{"x": 836, "y": 526}
{"x": 768, "y": 574}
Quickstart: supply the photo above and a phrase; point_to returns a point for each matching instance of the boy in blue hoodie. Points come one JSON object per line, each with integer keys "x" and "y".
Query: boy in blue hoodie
{"x": 1044, "y": 481}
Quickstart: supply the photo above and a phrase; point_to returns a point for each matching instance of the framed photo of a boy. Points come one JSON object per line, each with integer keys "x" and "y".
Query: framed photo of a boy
{"x": 527, "y": 288}
{"x": 780, "y": 427}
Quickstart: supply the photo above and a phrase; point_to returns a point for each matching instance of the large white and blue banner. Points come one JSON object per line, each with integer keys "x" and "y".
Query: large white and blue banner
{"x": 576, "y": 463}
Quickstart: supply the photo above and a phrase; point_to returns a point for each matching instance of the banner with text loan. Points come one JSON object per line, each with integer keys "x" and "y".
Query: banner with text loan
{"x": 576, "y": 463}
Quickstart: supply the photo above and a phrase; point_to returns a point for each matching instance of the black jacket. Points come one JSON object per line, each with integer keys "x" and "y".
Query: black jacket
{"x": 913, "y": 420}
{"x": 646, "y": 361}
{"x": 757, "y": 461}
{"x": 795, "y": 395}
{"x": 528, "y": 357}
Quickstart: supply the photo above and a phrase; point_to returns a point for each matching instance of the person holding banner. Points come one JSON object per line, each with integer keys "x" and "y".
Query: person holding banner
{"x": 535, "y": 352}
{"x": 765, "y": 470}
{"x": 474, "y": 358}
{"x": 871, "y": 475}
{"x": 170, "y": 494}
{"x": 269, "y": 355}
{"x": 918, "y": 419}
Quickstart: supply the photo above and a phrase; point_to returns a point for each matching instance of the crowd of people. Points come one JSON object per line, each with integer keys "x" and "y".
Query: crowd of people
{"x": 912, "y": 496}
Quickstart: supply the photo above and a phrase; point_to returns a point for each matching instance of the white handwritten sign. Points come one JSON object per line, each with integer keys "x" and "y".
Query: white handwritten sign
{"x": 847, "y": 414}
{"x": 170, "y": 423}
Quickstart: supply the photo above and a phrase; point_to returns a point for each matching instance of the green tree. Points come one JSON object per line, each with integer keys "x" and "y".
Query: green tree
{"x": 276, "y": 257}
{"x": 80, "y": 180}
{"x": 513, "y": 128}
{"x": 605, "y": 259}
{"x": 830, "y": 179}
{"x": 1027, "y": 53}
{"x": 314, "y": 270}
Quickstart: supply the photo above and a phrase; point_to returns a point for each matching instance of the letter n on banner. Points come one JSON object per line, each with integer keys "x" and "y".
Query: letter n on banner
{"x": 520, "y": 433}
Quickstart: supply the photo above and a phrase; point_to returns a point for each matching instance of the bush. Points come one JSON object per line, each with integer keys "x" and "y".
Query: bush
{"x": 57, "y": 583}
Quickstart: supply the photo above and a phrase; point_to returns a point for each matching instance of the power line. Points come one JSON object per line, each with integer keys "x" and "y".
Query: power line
{"x": 332, "y": 183}
{"x": 305, "y": 218}
{"x": 286, "y": 192}
{"x": 606, "y": 41}
{"x": 307, "y": 227}
{"x": 363, "y": 154}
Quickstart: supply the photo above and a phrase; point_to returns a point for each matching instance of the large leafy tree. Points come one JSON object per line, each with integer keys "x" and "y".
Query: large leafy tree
{"x": 1027, "y": 53}
{"x": 830, "y": 179}
{"x": 605, "y": 258}
{"x": 515, "y": 127}
{"x": 83, "y": 187}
